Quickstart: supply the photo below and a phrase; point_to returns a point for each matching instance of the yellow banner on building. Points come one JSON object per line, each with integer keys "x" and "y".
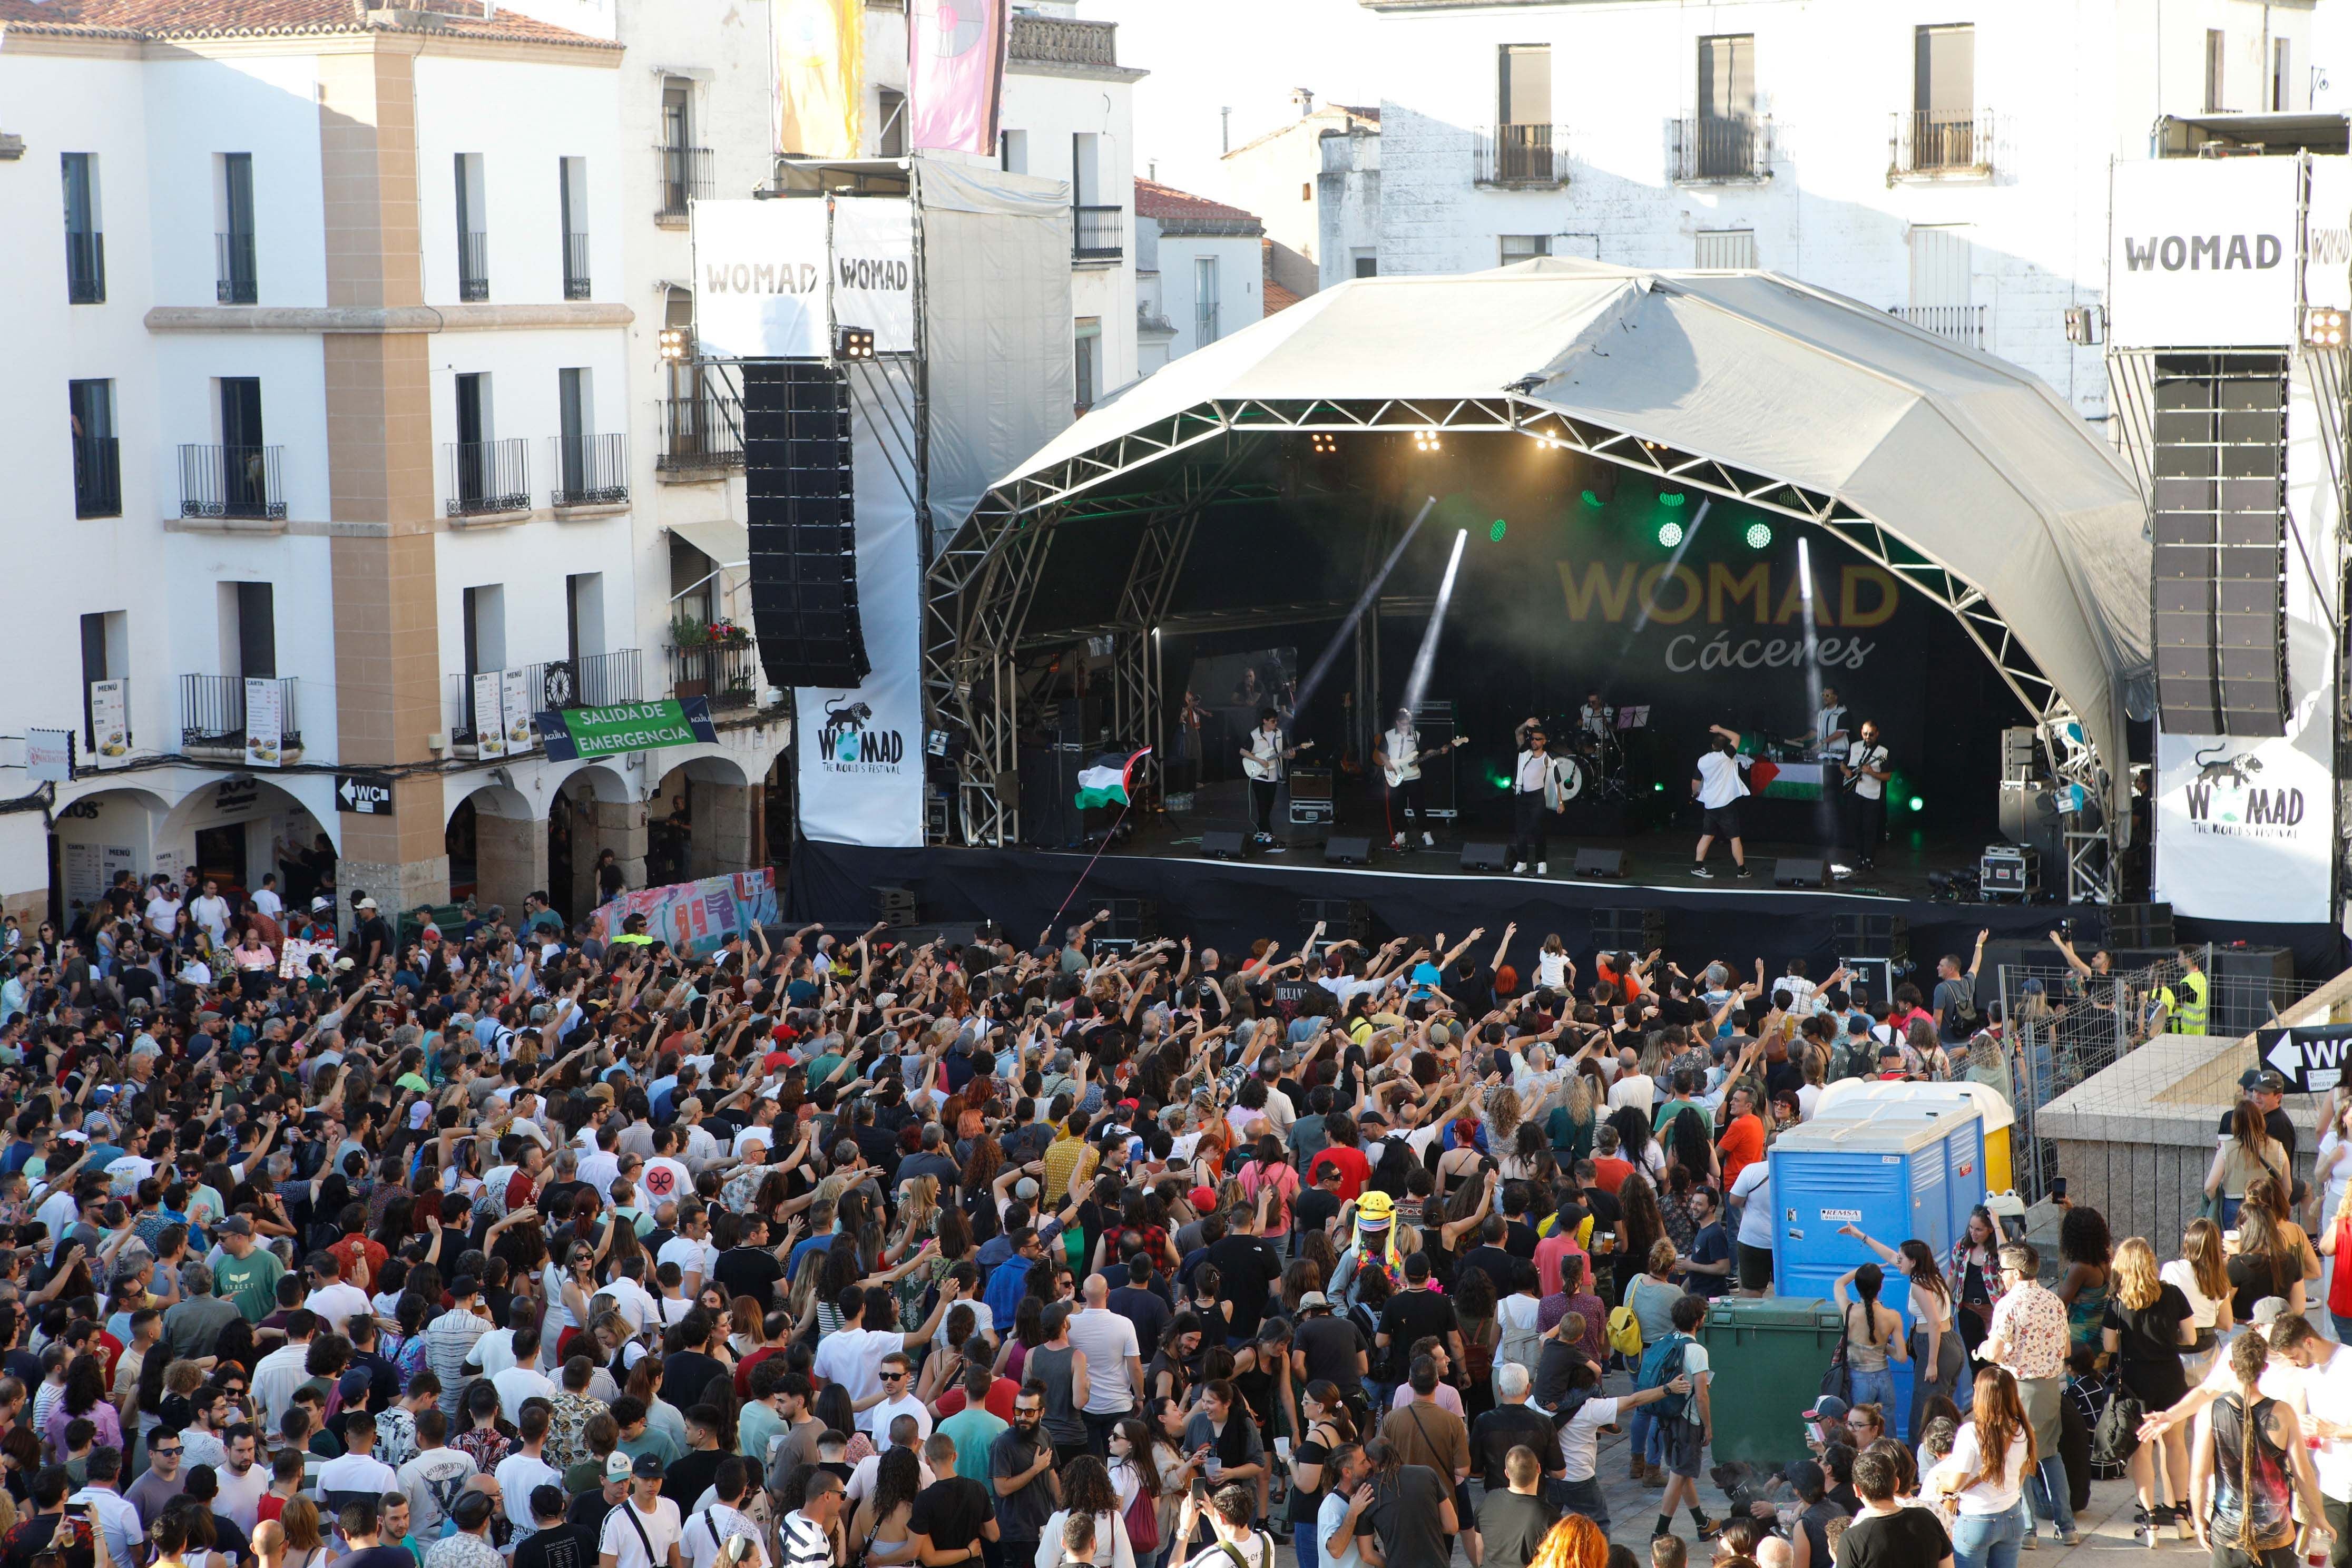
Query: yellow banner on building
{"x": 820, "y": 76}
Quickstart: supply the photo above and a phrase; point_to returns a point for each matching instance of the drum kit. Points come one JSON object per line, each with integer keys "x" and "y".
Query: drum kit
{"x": 1592, "y": 762}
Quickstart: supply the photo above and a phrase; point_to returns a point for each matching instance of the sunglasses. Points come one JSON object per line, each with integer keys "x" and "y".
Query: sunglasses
{"x": 894, "y": 1377}
{"x": 164, "y": 1453}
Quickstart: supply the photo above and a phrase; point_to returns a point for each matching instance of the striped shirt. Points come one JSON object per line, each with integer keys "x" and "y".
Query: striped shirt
{"x": 804, "y": 1543}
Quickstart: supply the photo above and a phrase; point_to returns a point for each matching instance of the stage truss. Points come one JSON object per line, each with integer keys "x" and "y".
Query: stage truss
{"x": 980, "y": 586}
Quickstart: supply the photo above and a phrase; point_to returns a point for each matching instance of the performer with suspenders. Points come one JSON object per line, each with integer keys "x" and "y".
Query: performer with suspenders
{"x": 1262, "y": 759}
{"x": 1862, "y": 808}
{"x": 1535, "y": 789}
{"x": 1399, "y": 756}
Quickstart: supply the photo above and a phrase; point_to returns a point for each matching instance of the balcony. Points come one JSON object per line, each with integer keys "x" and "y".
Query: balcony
{"x": 589, "y": 470}
{"x": 728, "y": 674}
{"x": 1926, "y": 146}
{"x": 487, "y": 476}
{"x": 212, "y": 717}
{"x": 243, "y": 482}
{"x": 85, "y": 268}
{"x": 1521, "y": 157}
{"x": 575, "y": 267}
{"x": 685, "y": 175}
{"x": 474, "y": 266}
{"x": 1098, "y": 233}
{"x": 97, "y": 476}
{"x": 593, "y": 680}
{"x": 1728, "y": 149}
{"x": 700, "y": 434}
{"x": 237, "y": 280}
{"x": 1063, "y": 41}
{"x": 1961, "y": 324}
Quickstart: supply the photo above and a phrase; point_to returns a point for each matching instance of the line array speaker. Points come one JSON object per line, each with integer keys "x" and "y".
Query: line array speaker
{"x": 1344, "y": 920}
{"x": 1629, "y": 931}
{"x": 1872, "y": 936}
{"x": 801, "y": 509}
{"x": 2217, "y": 591}
{"x": 2139, "y": 925}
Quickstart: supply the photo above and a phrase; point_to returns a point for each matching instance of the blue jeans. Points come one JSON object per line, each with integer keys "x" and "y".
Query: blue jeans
{"x": 2343, "y": 1328}
{"x": 2045, "y": 1488}
{"x": 1874, "y": 1388}
{"x": 1646, "y": 1438}
{"x": 1987, "y": 1540}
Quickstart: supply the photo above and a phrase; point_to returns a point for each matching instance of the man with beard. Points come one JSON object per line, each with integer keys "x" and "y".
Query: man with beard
{"x": 1021, "y": 1466}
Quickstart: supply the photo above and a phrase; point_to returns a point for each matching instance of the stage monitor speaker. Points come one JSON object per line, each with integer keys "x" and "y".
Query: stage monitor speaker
{"x": 2139, "y": 925}
{"x": 1871, "y": 936}
{"x": 1486, "y": 856}
{"x": 1629, "y": 931}
{"x": 1225, "y": 844}
{"x": 1793, "y": 873}
{"x": 1348, "y": 851}
{"x": 895, "y": 906}
{"x": 1609, "y": 863}
{"x": 2217, "y": 571}
{"x": 1343, "y": 920}
{"x": 801, "y": 506}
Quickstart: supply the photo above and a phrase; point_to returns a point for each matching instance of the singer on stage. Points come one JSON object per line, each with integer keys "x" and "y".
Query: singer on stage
{"x": 1862, "y": 814}
{"x": 1397, "y": 754}
{"x": 1534, "y": 790}
{"x": 1262, "y": 759}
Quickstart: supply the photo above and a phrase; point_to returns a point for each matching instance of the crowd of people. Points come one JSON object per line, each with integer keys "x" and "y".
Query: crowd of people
{"x": 518, "y": 1243}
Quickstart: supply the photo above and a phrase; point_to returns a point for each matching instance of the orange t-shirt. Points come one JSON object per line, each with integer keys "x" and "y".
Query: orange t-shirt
{"x": 1609, "y": 1172}
{"x": 1742, "y": 1146}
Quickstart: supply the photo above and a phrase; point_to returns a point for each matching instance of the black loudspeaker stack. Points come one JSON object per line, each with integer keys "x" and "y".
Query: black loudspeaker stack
{"x": 1133, "y": 923}
{"x": 802, "y": 509}
{"x": 1872, "y": 936}
{"x": 1344, "y": 920}
{"x": 2139, "y": 925}
{"x": 2217, "y": 594}
{"x": 1629, "y": 931}
{"x": 895, "y": 906}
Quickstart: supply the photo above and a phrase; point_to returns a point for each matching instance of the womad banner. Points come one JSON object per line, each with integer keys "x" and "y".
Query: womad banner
{"x": 2245, "y": 827}
{"x": 695, "y": 918}
{"x": 772, "y": 279}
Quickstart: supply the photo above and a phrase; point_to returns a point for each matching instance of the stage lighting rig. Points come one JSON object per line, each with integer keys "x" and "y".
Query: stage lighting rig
{"x": 674, "y": 344}
{"x": 854, "y": 343}
{"x": 1427, "y": 441}
{"x": 1758, "y": 535}
{"x": 2323, "y": 327}
{"x": 1323, "y": 444}
{"x": 1670, "y": 534}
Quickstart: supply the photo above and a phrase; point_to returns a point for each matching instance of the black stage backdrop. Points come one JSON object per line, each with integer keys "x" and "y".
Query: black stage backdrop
{"x": 1225, "y": 904}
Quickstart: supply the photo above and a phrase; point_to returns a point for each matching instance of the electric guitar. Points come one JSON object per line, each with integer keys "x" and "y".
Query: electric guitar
{"x": 1875, "y": 757}
{"x": 1265, "y": 769}
{"x": 1394, "y": 769}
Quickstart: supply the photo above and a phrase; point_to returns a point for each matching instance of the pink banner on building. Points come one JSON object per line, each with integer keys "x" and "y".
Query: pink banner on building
{"x": 955, "y": 73}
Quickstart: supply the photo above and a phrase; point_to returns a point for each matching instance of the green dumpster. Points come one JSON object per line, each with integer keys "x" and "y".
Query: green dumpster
{"x": 1768, "y": 1354}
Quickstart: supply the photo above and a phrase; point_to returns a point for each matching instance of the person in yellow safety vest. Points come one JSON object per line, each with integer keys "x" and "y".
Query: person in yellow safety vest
{"x": 2186, "y": 999}
{"x": 632, "y": 934}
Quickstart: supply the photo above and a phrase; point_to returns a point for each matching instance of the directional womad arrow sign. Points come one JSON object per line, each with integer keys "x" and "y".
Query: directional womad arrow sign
{"x": 2310, "y": 1058}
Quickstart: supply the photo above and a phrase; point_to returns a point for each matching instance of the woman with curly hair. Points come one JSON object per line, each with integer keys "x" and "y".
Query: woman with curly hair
{"x": 1641, "y": 1227}
{"x": 1087, "y": 1490}
{"x": 880, "y": 1526}
{"x": 2084, "y": 1247}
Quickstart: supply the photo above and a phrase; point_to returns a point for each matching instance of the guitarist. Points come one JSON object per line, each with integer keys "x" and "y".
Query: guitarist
{"x": 1862, "y": 808}
{"x": 1262, "y": 759}
{"x": 1398, "y": 755}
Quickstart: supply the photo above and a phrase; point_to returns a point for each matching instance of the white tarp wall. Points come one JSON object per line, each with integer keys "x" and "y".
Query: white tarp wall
{"x": 2206, "y": 255}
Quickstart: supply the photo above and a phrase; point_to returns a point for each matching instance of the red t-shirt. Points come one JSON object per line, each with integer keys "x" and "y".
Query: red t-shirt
{"x": 1742, "y": 1146}
{"x": 1000, "y": 1400}
{"x": 1609, "y": 1172}
{"x": 743, "y": 1370}
{"x": 1354, "y": 1169}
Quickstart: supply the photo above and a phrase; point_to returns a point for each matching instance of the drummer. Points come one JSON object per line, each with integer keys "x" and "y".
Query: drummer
{"x": 1826, "y": 740}
{"x": 1593, "y": 721}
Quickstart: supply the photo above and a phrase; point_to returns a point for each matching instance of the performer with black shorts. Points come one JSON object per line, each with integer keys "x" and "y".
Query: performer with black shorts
{"x": 1718, "y": 786}
{"x": 1535, "y": 790}
{"x": 1262, "y": 759}
{"x": 1862, "y": 808}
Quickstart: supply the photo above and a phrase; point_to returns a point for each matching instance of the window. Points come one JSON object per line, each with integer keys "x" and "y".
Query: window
{"x": 473, "y": 230}
{"x": 1525, "y": 89}
{"x": 574, "y": 448}
{"x": 584, "y": 616}
{"x": 1942, "y": 257}
{"x": 1013, "y": 151}
{"x": 244, "y": 454}
{"x": 891, "y": 113}
{"x": 85, "y": 239}
{"x": 1306, "y": 190}
{"x": 1089, "y": 360}
{"x": 232, "y": 238}
{"x": 1085, "y": 180}
{"x": 1204, "y": 300}
{"x": 2282, "y": 94}
{"x": 1727, "y": 249}
{"x": 486, "y": 627}
{"x": 1944, "y": 98}
{"x": 105, "y": 655}
{"x": 571, "y": 192}
{"x": 1724, "y": 136}
{"x": 1368, "y": 263}
{"x": 685, "y": 168}
{"x": 248, "y": 630}
{"x": 1525, "y": 246}
{"x": 2217, "y": 49}
{"x": 97, "y": 454}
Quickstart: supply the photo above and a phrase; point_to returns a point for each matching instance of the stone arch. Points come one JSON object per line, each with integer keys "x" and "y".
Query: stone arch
{"x": 497, "y": 852}
{"x": 229, "y": 828}
{"x": 705, "y": 820}
{"x": 96, "y": 834}
{"x": 592, "y": 809}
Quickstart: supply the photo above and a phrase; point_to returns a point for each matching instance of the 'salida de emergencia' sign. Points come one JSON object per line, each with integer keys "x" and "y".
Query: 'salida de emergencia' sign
{"x": 572, "y": 733}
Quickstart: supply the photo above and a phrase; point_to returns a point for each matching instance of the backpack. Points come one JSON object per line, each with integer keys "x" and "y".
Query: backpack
{"x": 1966, "y": 1017}
{"x": 1662, "y": 1364}
{"x": 2114, "y": 1437}
{"x": 1624, "y": 1331}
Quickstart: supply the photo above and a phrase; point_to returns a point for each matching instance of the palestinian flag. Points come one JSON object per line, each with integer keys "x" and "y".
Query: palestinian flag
{"x": 1105, "y": 784}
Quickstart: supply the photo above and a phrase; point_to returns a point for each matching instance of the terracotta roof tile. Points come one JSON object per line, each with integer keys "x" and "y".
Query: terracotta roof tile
{"x": 1155, "y": 200}
{"x": 1274, "y": 296}
{"x": 252, "y": 19}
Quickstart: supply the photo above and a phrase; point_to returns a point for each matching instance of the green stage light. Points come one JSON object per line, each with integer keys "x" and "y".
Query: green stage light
{"x": 1495, "y": 533}
{"x": 1670, "y": 534}
{"x": 1759, "y": 535}
{"x": 1670, "y": 497}
{"x": 1659, "y": 788}
{"x": 1592, "y": 500}
{"x": 1915, "y": 803}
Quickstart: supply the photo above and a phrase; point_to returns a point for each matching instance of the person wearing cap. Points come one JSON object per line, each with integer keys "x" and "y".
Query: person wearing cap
{"x": 644, "y": 1531}
{"x": 468, "y": 1544}
{"x": 589, "y": 1508}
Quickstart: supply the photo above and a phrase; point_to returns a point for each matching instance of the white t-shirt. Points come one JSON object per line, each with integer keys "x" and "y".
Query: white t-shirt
{"x": 2203, "y": 1311}
{"x": 1636, "y": 1089}
{"x": 663, "y": 1530}
{"x": 1551, "y": 969}
{"x": 664, "y": 1177}
{"x": 598, "y": 1170}
{"x": 752, "y": 1138}
{"x": 2328, "y": 1394}
{"x": 889, "y": 1410}
{"x": 710, "y": 1529}
{"x": 1402, "y": 748}
{"x": 1874, "y": 755}
{"x": 267, "y": 900}
{"x": 518, "y": 1473}
{"x": 1580, "y": 1436}
{"x": 339, "y": 1303}
{"x": 861, "y": 1478}
{"x": 516, "y": 1383}
{"x": 356, "y": 1473}
{"x": 1994, "y": 1495}
{"x": 1720, "y": 779}
{"x": 853, "y": 1358}
{"x": 1755, "y": 1184}
{"x": 211, "y": 912}
{"x": 691, "y": 1257}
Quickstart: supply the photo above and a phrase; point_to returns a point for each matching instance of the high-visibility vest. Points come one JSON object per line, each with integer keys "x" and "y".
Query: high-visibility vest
{"x": 2186, "y": 997}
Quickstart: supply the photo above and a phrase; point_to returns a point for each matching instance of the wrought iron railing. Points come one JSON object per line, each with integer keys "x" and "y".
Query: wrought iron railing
{"x": 1098, "y": 233}
{"x": 97, "y": 476}
{"x": 1961, "y": 324}
{"x": 575, "y": 267}
{"x": 1722, "y": 147}
{"x": 1926, "y": 143}
{"x": 704, "y": 432}
{"x": 232, "y": 481}
{"x": 474, "y": 264}
{"x": 239, "y": 280}
{"x": 85, "y": 268}
{"x": 1518, "y": 154}
{"x": 488, "y": 476}
{"x": 729, "y": 676}
{"x": 589, "y": 470}
{"x": 212, "y": 713}
{"x": 685, "y": 175}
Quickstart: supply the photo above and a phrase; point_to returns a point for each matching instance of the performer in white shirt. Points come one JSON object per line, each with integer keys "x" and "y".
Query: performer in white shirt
{"x": 1397, "y": 754}
{"x": 1862, "y": 810}
{"x": 1718, "y": 786}
{"x": 1826, "y": 740}
{"x": 1262, "y": 761}
{"x": 1535, "y": 790}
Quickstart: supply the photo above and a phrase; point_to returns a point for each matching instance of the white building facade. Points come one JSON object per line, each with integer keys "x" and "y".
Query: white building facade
{"x": 1199, "y": 265}
{"x": 1950, "y": 163}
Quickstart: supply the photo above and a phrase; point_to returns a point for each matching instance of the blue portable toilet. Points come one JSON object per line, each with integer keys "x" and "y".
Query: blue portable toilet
{"x": 1897, "y": 1176}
